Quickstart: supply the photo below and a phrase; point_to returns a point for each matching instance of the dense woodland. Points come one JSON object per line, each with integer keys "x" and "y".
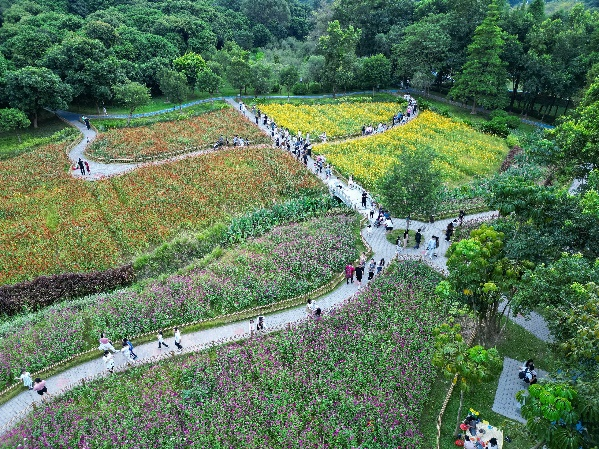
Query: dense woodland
{"x": 56, "y": 52}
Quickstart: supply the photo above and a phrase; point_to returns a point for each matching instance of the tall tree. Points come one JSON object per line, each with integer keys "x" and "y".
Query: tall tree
{"x": 173, "y": 84}
{"x": 484, "y": 75}
{"x": 31, "y": 89}
{"x": 338, "y": 46}
{"x": 288, "y": 77}
{"x": 132, "y": 95}
{"x": 190, "y": 65}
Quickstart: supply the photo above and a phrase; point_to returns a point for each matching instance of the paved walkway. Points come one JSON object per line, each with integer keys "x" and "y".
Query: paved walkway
{"x": 509, "y": 384}
{"x": 376, "y": 237}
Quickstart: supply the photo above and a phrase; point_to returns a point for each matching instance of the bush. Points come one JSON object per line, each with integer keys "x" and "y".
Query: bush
{"x": 46, "y": 290}
{"x": 299, "y": 89}
{"x": 315, "y": 88}
{"x": 276, "y": 88}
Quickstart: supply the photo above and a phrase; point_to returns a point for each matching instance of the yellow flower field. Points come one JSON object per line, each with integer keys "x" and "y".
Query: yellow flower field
{"x": 337, "y": 120}
{"x": 462, "y": 151}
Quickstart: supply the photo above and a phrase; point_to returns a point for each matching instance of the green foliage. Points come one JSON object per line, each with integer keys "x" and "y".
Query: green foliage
{"x": 190, "y": 65}
{"x": 552, "y": 411}
{"x": 12, "y": 120}
{"x": 288, "y": 77}
{"x": 132, "y": 95}
{"x": 412, "y": 186}
{"x": 174, "y": 85}
{"x": 32, "y": 88}
{"x": 338, "y": 46}
{"x": 483, "y": 76}
{"x": 375, "y": 71}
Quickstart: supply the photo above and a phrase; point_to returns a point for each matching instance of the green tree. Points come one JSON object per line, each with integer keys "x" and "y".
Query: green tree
{"x": 376, "y": 71}
{"x": 31, "y": 89}
{"x": 481, "y": 276}
{"x": 338, "y": 46}
{"x": 412, "y": 185}
{"x": 465, "y": 366}
{"x": 484, "y": 75}
{"x": 288, "y": 77}
{"x": 208, "y": 81}
{"x": 578, "y": 136}
{"x": 423, "y": 48}
{"x": 239, "y": 73}
{"x": 132, "y": 95}
{"x": 190, "y": 64}
{"x": 12, "y": 120}
{"x": 261, "y": 75}
{"x": 173, "y": 84}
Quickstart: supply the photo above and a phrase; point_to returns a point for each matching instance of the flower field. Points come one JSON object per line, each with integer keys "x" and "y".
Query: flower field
{"x": 462, "y": 152}
{"x": 357, "y": 378}
{"x": 337, "y": 120}
{"x": 165, "y": 137}
{"x": 51, "y": 223}
{"x": 288, "y": 261}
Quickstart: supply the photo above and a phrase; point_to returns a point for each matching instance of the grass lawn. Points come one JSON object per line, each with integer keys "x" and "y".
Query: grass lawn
{"x": 398, "y": 232}
{"x": 9, "y": 142}
{"x": 516, "y": 343}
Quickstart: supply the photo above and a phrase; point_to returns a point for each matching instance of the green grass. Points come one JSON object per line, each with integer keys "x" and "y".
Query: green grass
{"x": 392, "y": 236}
{"x": 9, "y": 142}
{"x": 516, "y": 343}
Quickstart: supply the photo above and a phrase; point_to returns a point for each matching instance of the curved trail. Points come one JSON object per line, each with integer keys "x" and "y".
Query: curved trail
{"x": 20, "y": 405}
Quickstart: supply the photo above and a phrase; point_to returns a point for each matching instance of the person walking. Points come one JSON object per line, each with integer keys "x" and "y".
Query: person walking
{"x": 87, "y": 167}
{"x": 449, "y": 231}
{"x": 310, "y": 306}
{"x": 39, "y": 386}
{"x": 364, "y": 197}
{"x": 126, "y": 351}
{"x": 130, "y": 346}
{"x": 105, "y": 344}
{"x": 26, "y": 378}
{"x": 178, "y": 339}
{"x": 359, "y": 273}
{"x": 349, "y": 273}
{"x": 430, "y": 247}
{"x": 87, "y": 125}
{"x": 371, "y": 269}
{"x": 260, "y": 325}
{"x": 406, "y": 238}
{"x": 108, "y": 361}
{"x": 161, "y": 342}
{"x": 418, "y": 238}
{"x": 363, "y": 260}
{"x": 380, "y": 266}
{"x": 81, "y": 166}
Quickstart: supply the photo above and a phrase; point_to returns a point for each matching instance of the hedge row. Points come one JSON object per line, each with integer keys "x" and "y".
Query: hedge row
{"x": 46, "y": 290}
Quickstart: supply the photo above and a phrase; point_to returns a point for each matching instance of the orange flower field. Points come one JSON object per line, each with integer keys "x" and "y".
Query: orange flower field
{"x": 52, "y": 223}
{"x": 165, "y": 137}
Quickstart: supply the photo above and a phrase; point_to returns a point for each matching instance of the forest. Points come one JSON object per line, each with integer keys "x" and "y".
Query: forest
{"x": 56, "y": 53}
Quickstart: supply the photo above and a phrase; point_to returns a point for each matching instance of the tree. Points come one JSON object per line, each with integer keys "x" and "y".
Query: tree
{"x": 423, "y": 48}
{"x": 465, "y": 366}
{"x": 273, "y": 14}
{"x": 208, "y": 81}
{"x": 239, "y": 73}
{"x": 132, "y": 95}
{"x": 174, "y": 85}
{"x": 338, "y": 46}
{"x": 288, "y": 77}
{"x": 481, "y": 276}
{"x": 190, "y": 65}
{"x": 12, "y": 120}
{"x": 412, "y": 185}
{"x": 376, "y": 71}
{"x": 578, "y": 136}
{"x": 484, "y": 75}
{"x": 261, "y": 74}
{"x": 31, "y": 89}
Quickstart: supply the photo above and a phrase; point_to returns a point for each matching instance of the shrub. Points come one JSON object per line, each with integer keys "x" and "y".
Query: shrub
{"x": 299, "y": 89}
{"x": 314, "y": 87}
{"x": 46, "y": 290}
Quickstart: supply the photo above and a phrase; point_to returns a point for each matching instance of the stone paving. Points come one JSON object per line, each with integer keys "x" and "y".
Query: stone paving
{"x": 376, "y": 237}
{"x": 509, "y": 384}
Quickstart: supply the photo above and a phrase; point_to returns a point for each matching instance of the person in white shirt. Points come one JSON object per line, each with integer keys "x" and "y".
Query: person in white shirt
{"x": 310, "y": 307}
{"x": 178, "y": 339}
{"x": 26, "y": 378}
{"x": 126, "y": 351}
{"x": 108, "y": 361}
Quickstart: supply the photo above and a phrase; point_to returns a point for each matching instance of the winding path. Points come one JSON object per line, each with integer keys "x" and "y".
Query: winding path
{"x": 16, "y": 408}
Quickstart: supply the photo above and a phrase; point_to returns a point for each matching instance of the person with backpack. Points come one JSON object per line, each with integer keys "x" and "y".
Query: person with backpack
{"x": 130, "y": 346}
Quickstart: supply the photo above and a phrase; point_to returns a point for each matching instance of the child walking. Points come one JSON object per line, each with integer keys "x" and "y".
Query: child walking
{"x": 161, "y": 342}
{"x": 26, "y": 378}
{"x": 108, "y": 361}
